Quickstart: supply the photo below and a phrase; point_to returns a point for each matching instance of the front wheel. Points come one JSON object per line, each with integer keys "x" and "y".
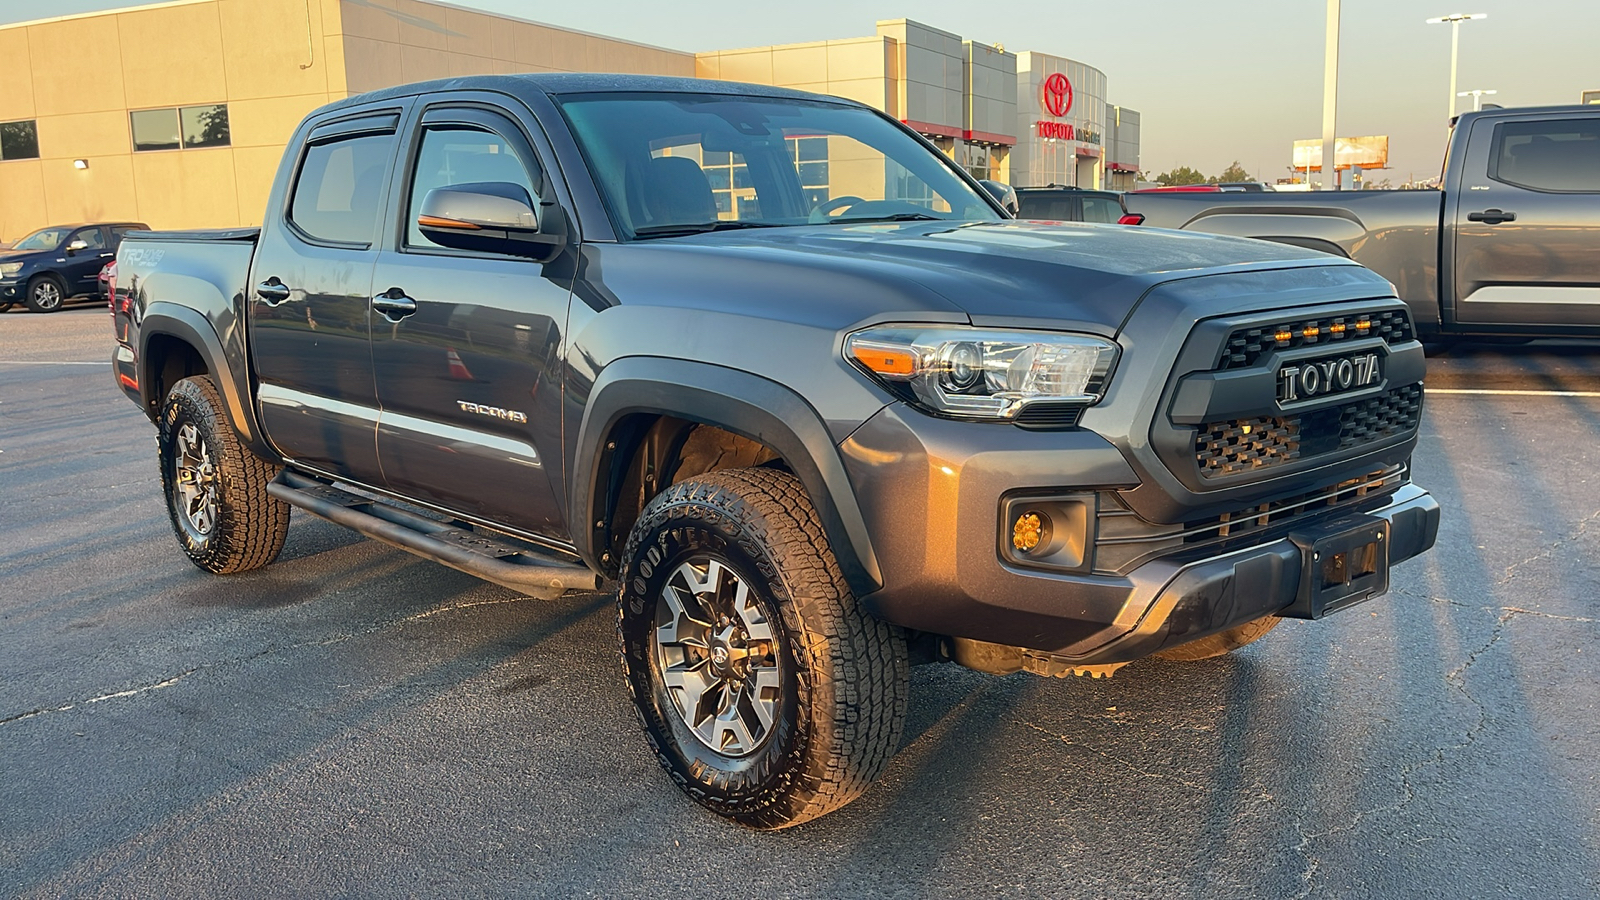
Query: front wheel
{"x": 216, "y": 488}
{"x": 766, "y": 692}
{"x": 46, "y": 293}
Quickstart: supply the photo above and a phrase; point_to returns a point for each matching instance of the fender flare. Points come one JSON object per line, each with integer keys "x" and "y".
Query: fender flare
{"x": 227, "y": 370}
{"x": 748, "y": 405}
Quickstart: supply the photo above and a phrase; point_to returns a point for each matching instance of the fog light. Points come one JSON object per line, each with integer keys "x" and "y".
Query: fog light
{"x": 1029, "y": 530}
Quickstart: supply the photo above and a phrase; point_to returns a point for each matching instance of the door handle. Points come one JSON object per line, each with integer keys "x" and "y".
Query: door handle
{"x": 272, "y": 291}
{"x": 394, "y": 304}
{"x": 1492, "y": 216}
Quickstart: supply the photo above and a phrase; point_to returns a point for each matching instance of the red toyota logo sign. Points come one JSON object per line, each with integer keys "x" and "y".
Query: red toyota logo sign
{"x": 1057, "y": 94}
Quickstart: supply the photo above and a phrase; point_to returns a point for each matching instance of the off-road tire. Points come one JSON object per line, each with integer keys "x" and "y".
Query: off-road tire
{"x": 844, "y": 674}
{"x": 1223, "y": 642}
{"x": 50, "y": 302}
{"x": 249, "y": 525}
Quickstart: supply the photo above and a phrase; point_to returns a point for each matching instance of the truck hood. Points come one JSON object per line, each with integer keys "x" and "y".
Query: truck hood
{"x": 1015, "y": 272}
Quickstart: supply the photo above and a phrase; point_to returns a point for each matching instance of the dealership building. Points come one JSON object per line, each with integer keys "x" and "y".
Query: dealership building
{"x": 176, "y": 114}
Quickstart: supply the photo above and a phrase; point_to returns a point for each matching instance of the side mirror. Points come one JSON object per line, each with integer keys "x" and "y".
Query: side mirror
{"x": 1004, "y": 193}
{"x": 492, "y": 217}
{"x": 75, "y": 246}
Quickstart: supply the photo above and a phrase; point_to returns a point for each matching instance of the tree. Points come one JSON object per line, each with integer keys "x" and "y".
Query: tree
{"x": 1234, "y": 174}
{"x": 1181, "y": 175}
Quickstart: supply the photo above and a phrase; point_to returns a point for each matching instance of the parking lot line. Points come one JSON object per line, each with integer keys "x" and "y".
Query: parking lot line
{"x": 1509, "y": 393}
{"x": 53, "y": 362}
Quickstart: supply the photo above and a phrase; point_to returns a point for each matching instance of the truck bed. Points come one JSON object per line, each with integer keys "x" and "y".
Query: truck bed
{"x": 1394, "y": 233}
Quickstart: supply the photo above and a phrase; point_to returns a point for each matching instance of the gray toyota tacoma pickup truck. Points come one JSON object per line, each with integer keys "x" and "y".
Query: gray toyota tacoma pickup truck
{"x": 1508, "y": 247}
{"x": 792, "y": 382}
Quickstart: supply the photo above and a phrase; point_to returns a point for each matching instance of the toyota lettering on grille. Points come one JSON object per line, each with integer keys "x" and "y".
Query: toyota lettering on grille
{"x": 1319, "y": 378}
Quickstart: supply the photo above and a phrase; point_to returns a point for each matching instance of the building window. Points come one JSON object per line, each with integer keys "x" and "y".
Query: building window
{"x": 188, "y": 127}
{"x": 19, "y": 140}
{"x": 205, "y": 126}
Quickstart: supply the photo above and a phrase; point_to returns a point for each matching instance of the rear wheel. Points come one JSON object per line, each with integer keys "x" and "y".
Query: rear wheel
{"x": 1223, "y": 642}
{"x": 767, "y": 694}
{"x": 46, "y": 293}
{"x": 216, "y": 489}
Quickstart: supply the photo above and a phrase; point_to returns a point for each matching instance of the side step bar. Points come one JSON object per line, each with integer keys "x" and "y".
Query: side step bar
{"x": 518, "y": 567}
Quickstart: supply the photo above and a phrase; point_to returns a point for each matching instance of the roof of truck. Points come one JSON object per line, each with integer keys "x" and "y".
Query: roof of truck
{"x": 582, "y": 83}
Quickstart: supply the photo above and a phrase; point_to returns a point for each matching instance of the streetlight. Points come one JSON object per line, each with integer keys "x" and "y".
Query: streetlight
{"x": 1477, "y": 98}
{"x": 1455, "y": 20}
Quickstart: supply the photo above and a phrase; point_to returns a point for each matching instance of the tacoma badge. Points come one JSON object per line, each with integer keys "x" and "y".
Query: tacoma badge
{"x": 510, "y": 415}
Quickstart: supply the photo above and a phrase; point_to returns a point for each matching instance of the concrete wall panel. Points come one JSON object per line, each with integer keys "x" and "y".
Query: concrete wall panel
{"x": 800, "y": 64}
{"x": 186, "y": 189}
{"x": 269, "y": 122}
{"x": 22, "y": 205}
{"x": 66, "y": 77}
{"x": 16, "y": 79}
{"x": 84, "y": 135}
{"x": 254, "y": 170}
{"x": 194, "y": 75}
{"x": 271, "y": 48}
{"x": 103, "y": 191}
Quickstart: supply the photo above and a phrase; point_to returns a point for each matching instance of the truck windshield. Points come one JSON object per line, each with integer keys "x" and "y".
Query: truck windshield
{"x": 681, "y": 163}
{"x": 43, "y": 239}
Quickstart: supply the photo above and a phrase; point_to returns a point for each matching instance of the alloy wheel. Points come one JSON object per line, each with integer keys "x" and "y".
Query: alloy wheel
{"x": 717, "y": 656}
{"x": 196, "y": 480}
{"x": 46, "y": 295}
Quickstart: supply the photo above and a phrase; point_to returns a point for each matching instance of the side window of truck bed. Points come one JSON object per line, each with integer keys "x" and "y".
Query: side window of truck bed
{"x": 339, "y": 189}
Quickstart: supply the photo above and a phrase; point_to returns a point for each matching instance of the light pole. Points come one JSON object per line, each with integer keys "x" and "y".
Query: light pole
{"x": 1455, "y": 20}
{"x": 1477, "y": 98}
{"x": 1330, "y": 98}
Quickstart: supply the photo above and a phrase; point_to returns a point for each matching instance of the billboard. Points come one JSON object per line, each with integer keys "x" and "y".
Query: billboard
{"x": 1370, "y": 152}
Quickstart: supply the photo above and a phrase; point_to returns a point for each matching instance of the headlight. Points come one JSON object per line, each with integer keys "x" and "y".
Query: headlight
{"x": 9, "y": 269}
{"x": 972, "y": 373}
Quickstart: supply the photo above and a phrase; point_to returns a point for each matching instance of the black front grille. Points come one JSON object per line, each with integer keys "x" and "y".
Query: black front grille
{"x": 1246, "y": 445}
{"x": 1246, "y": 346}
{"x": 1124, "y": 541}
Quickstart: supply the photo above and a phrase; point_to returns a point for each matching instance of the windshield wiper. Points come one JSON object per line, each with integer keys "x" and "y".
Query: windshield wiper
{"x": 681, "y": 228}
{"x": 892, "y": 217}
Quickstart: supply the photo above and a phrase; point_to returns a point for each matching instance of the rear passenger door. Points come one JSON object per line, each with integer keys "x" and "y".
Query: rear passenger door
{"x": 466, "y": 345}
{"x": 310, "y": 291}
{"x": 1527, "y": 223}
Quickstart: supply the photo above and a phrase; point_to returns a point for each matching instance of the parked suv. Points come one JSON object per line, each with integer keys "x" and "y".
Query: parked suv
{"x": 45, "y": 268}
{"x": 1069, "y": 204}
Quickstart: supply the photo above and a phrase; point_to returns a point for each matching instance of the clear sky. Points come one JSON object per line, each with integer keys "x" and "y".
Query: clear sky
{"x": 1216, "y": 80}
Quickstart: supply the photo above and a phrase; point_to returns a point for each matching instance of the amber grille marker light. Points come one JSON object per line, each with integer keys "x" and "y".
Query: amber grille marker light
{"x": 1027, "y": 532}
{"x": 1284, "y": 336}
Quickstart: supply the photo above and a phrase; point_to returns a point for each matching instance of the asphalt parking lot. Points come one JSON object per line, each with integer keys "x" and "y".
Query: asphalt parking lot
{"x": 353, "y": 721}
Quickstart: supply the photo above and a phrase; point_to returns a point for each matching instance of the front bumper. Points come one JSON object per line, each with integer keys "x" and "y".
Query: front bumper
{"x": 932, "y": 492}
{"x": 11, "y": 290}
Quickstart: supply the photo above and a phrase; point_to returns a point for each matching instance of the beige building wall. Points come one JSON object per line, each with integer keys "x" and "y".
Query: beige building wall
{"x": 270, "y": 61}
{"x": 78, "y": 77}
{"x": 390, "y": 42}
{"x": 860, "y": 69}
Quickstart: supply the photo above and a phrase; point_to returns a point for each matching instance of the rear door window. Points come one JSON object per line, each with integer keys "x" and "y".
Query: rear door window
{"x": 1101, "y": 209}
{"x": 1053, "y": 208}
{"x": 339, "y": 190}
{"x": 1560, "y": 155}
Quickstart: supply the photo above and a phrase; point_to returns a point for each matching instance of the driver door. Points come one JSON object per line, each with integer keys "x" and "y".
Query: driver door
{"x": 83, "y": 265}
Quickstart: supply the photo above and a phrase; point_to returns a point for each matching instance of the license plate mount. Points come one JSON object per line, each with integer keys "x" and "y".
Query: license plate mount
{"x": 1341, "y": 564}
